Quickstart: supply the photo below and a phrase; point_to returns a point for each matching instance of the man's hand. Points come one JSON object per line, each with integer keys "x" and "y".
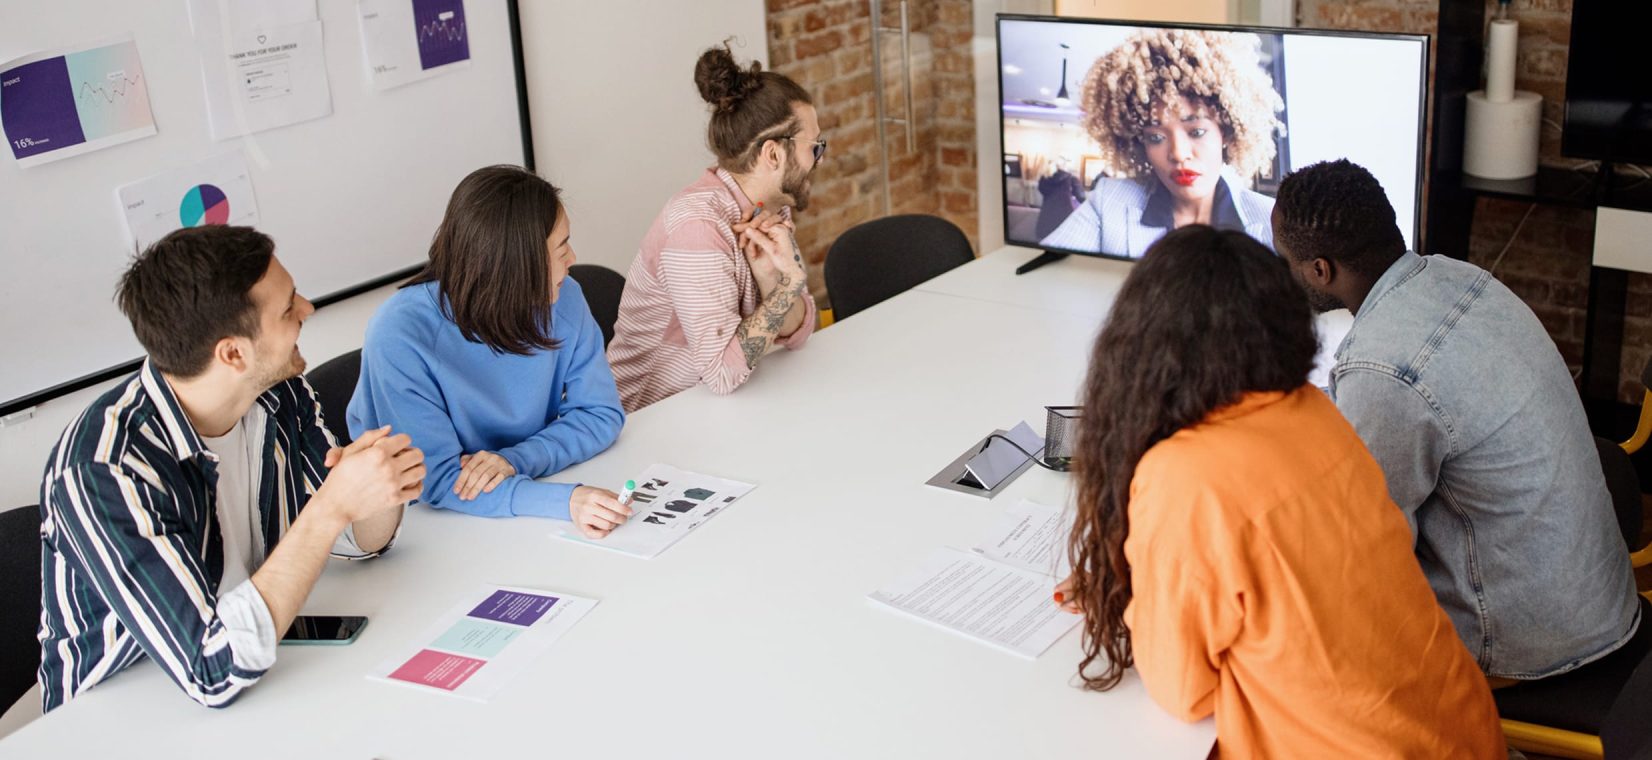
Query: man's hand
{"x": 375, "y": 473}
{"x": 775, "y": 262}
{"x": 597, "y": 511}
{"x": 480, "y": 473}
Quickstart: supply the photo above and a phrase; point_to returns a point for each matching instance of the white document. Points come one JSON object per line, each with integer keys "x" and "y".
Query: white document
{"x": 484, "y": 641}
{"x": 667, "y": 505}
{"x": 215, "y": 191}
{"x": 405, "y": 41}
{"x": 263, "y": 66}
{"x": 1030, "y": 536}
{"x": 1001, "y": 605}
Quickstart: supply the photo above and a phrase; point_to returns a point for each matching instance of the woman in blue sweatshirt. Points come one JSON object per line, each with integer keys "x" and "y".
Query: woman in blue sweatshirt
{"x": 491, "y": 360}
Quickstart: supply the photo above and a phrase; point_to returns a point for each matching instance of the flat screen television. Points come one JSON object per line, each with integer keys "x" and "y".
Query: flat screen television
{"x": 1121, "y": 131}
{"x": 1608, "y": 89}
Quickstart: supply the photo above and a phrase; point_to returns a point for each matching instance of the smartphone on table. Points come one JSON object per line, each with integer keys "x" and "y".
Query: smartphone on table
{"x": 324, "y": 629}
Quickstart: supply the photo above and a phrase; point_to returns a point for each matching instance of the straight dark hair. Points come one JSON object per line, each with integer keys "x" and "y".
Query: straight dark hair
{"x": 1204, "y": 318}
{"x": 490, "y": 262}
{"x": 749, "y": 107}
{"x": 191, "y": 289}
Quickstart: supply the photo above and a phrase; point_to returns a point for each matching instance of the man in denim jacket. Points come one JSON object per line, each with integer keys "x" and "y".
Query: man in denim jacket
{"x": 1465, "y": 402}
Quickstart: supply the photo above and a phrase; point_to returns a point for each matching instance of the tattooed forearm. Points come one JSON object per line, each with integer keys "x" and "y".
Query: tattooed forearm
{"x": 759, "y": 331}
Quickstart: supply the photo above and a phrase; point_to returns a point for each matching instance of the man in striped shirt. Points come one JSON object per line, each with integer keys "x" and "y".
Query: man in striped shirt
{"x": 719, "y": 279}
{"x": 189, "y": 511}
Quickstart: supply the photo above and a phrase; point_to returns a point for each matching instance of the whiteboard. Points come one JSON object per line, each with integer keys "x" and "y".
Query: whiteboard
{"x": 349, "y": 198}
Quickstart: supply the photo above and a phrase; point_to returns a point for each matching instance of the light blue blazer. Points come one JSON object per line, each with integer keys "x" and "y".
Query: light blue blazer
{"x": 1122, "y": 217}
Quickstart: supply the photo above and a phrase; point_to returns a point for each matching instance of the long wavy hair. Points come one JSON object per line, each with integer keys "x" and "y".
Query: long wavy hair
{"x": 1204, "y": 318}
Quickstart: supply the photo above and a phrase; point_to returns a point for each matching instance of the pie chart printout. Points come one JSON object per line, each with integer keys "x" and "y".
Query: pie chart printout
{"x": 204, "y": 204}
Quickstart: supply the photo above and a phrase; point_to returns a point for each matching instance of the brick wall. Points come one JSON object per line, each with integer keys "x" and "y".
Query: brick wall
{"x": 1547, "y": 264}
{"x": 826, "y": 45}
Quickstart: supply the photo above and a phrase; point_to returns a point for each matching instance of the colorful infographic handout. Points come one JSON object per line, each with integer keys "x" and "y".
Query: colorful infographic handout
{"x": 63, "y": 103}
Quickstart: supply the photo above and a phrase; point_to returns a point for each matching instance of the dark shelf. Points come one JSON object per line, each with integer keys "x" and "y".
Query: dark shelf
{"x": 1564, "y": 187}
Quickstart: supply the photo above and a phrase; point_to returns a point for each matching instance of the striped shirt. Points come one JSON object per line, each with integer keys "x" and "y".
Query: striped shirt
{"x": 132, "y": 551}
{"x": 688, "y": 291}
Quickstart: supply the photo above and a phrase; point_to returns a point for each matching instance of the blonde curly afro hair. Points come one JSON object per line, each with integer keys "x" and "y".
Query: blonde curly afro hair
{"x": 1220, "y": 71}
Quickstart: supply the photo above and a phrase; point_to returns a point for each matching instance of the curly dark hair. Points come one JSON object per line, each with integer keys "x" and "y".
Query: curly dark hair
{"x": 1336, "y": 210}
{"x": 1204, "y": 318}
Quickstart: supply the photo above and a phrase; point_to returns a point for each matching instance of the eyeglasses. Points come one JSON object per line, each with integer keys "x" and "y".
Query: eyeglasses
{"x": 819, "y": 147}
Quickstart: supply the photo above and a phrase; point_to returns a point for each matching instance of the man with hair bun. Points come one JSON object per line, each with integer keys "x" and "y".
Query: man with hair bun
{"x": 1458, "y": 392}
{"x": 719, "y": 279}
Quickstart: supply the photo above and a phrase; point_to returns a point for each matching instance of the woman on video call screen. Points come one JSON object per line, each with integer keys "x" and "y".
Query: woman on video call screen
{"x": 1185, "y": 120}
{"x": 1180, "y": 126}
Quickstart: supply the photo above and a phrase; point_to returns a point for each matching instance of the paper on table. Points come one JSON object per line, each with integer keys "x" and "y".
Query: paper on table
{"x": 667, "y": 505}
{"x": 994, "y": 603}
{"x": 484, "y": 641}
{"x": 1030, "y": 536}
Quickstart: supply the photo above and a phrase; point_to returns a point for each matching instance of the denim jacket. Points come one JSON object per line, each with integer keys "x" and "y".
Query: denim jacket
{"x": 1463, "y": 399}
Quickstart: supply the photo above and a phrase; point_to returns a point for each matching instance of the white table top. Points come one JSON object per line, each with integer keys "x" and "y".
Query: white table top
{"x": 1083, "y": 286}
{"x": 751, "y": 637}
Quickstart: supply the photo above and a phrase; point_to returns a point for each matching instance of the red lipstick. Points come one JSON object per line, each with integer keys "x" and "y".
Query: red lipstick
{"x": 1185, "y": 177}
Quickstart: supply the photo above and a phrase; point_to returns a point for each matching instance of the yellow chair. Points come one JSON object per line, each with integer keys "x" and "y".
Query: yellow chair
{"x": 1643, "y": 432}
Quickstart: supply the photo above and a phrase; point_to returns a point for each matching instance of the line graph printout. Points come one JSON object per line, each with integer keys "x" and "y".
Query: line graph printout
{"x": 66, "y": 102}
{"x": 408, "y": 40}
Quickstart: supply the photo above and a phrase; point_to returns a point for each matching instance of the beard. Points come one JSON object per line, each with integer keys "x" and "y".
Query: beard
{"x": 794, "y": 182}
{"x": 269, "y": 377}
{"x": 1318, "y": 300}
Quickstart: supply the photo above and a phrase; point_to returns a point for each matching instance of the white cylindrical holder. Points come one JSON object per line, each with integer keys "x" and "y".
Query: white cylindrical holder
{"x": 1502, "y": 42}
{"x": 1500, "y": 139}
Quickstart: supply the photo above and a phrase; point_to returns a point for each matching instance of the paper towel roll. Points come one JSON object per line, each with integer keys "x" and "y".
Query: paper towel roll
{"x": 1500, "y": 139}
{"x": 1502, "y": 42}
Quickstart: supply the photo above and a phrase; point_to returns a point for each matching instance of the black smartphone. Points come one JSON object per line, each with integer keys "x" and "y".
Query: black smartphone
{"x": 324, "y": 629}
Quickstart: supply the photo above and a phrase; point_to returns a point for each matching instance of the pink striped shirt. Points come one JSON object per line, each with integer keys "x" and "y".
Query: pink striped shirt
{"x": 687, "y": 292}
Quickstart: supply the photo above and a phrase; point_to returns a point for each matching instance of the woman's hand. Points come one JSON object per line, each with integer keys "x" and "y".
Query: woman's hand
{"x": 597, "y": 511}
{"x": 1064, "y": 597}
{"x": 480, "y": 473}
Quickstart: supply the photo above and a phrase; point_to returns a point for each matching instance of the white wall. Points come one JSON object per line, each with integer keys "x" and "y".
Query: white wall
{"x": 617, "y": 123}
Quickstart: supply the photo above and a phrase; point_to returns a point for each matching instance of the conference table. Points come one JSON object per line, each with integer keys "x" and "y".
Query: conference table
{"x": 752, "y": 636}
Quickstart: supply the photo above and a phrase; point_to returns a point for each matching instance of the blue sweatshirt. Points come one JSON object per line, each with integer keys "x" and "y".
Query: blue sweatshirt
{"x": 542, "y": 413}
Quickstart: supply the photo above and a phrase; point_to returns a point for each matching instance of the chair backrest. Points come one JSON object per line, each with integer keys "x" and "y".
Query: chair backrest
{"x": 1627, "y": 732}
{"x": 335, "y": 382}
{"x": 880, "y": 259}
{"x": 603, "y": 288}
{"x": 19, "y": 602}
{"x": 1625, "y": 487}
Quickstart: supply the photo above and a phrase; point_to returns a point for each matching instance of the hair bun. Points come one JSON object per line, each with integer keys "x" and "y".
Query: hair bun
{"x": 722, "y": 82}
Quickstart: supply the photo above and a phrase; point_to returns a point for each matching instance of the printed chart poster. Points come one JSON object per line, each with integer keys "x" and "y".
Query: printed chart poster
{"x": 215, "y": 191}
{"x": 64, "y": 103}
{"x": 668, "y": 504}
{"x": 484, "y": 641}
{"x": 408, "y": 40}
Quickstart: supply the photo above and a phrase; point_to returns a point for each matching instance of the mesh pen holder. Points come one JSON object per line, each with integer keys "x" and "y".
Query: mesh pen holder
{"x": 1060, "y": 429}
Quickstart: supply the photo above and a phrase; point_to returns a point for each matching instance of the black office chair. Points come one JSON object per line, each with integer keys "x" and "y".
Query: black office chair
{"x": 19, "y": 602}
{"x": 880, "y": 259}
{"x": 1567, "y": 714}
{"x": 1627, "y": 733}
{"x": 603, "y": 288}
{"x": 335, "y": 382}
